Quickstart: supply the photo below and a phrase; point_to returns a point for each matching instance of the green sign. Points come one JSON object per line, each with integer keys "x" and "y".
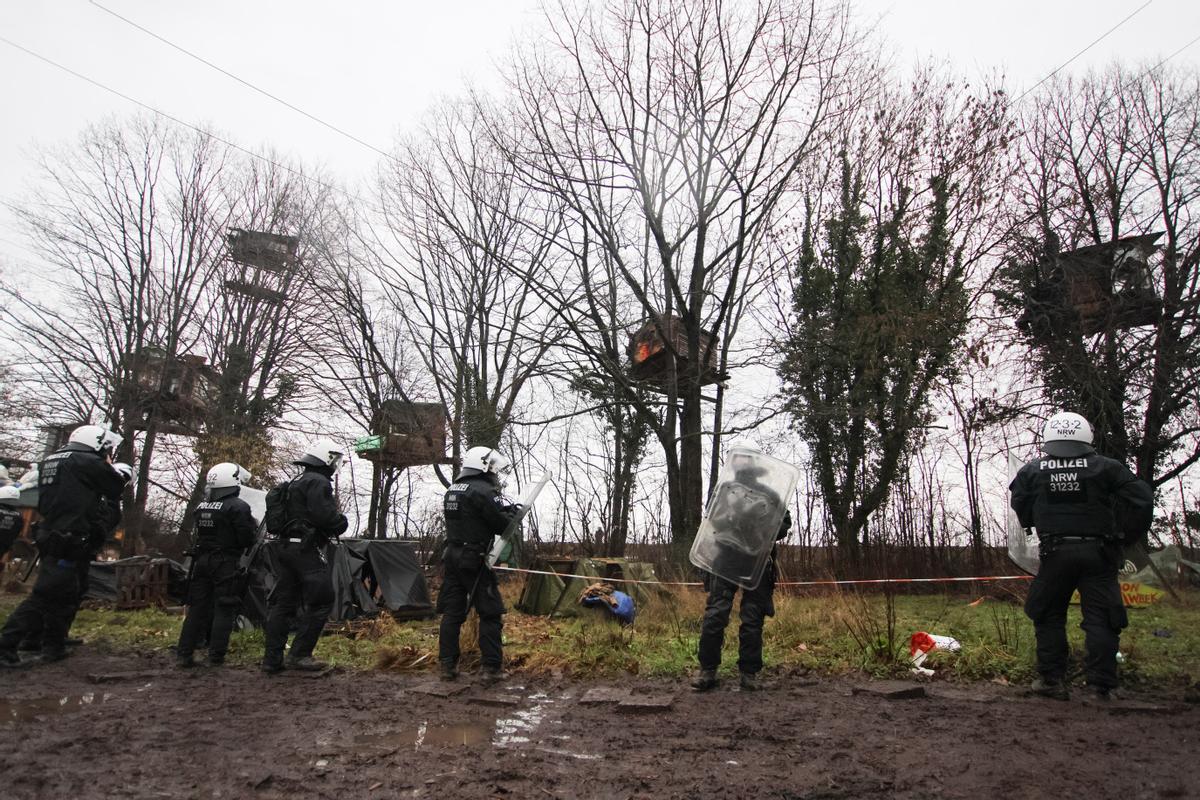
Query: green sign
{"x": 368, "y": 443}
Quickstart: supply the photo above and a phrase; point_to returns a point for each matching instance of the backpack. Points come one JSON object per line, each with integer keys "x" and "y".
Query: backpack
{"x": 276, "y": 516}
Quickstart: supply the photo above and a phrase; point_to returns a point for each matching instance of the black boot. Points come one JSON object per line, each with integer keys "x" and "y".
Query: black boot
{"x": 306, "y": 664}
{"x": 449, "y": 670}
{"x": 706, "y": 679}
{"x": 492, "y": 675}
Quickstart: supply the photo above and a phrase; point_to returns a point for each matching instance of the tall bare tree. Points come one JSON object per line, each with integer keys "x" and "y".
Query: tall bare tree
{"x": 454, "y": 222}
{"x": 670, "y": 131}
{"x": 131, "y": 222}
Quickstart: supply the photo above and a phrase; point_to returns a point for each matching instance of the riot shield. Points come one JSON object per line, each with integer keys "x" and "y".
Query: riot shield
{"x": 501, "y": 549}
{"x": 743, "y": 516}
{"x": 1022, "y": 548}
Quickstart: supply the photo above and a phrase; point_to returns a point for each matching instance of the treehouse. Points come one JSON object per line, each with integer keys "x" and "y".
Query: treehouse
{"x": 178, "y": 392}
{"x": 407, "y": 435}
{"x": 1108, "y": 287}
{"x": 265, "y": 262}
{"x": 650, "y": 354}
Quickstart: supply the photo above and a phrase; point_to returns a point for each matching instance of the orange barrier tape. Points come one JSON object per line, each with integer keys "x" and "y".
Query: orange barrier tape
{"x": 780, "y": 583}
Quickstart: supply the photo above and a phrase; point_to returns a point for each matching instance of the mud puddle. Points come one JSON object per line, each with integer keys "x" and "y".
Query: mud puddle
{"x": 531, "y": 727}
{"x": 13, "y": 711}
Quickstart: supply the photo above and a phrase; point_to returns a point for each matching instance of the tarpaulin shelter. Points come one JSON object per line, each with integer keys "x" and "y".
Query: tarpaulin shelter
{"x": 558, "y": 596}
{"x": 368, "y": 575}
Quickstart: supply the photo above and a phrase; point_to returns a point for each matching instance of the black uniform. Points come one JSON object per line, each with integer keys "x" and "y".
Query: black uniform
{"x": 11, "y": 523}
{"x": 104, "y": 523}
{"x": 1083, "y": 506}
{"x": 302, "y": 569}
{"x": 757, "y": 604}
{"x": 72, "y": 483}
{"x": 475, "y": 513}
{"x": 224, "y": 531}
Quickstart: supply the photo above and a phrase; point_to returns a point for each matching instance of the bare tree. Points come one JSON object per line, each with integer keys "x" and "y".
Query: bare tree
{"x": 454, "y": 221}
{"x": 669, "y": 131}
{"x": 130, "y": 221}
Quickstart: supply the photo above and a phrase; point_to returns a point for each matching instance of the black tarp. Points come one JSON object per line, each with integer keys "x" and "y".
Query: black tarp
{"x": 367, "y": 574}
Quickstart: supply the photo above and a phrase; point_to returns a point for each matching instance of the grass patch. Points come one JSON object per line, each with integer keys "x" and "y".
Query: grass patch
{"x": 836, "y": 633}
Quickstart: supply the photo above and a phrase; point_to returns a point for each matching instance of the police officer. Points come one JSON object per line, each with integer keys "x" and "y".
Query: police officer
{"x": 757, "y": 604}
{"x": 302, "y": 571}
{"x": 104, "y": 523}
{"x": 72, "y": 483}
{"x": 475, "y": 512}
{"x": 224, "y": 532}
{"x": 1083, "y": 506}
{"x": 11, "y": 521}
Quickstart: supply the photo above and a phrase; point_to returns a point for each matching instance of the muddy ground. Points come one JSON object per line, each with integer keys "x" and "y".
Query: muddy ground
{"x": 151, "y": 731}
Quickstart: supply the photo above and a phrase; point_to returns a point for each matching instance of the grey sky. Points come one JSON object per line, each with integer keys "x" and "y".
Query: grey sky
{"x": 373, "y": 68}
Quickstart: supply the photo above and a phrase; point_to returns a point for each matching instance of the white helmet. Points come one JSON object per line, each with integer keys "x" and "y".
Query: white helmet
{"x": 97, "y": 437}
{"x": 126, "y": 470}
{"x": 486, "y": 460}
{"x": 1067, "y": 435}
{"x": 9, "y": 493}
{"x": 4, "y": 476}
{"x": 322, "y": 453}
{"x": 226, "y": 475}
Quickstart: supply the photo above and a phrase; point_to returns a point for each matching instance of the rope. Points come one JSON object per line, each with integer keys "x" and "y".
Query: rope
{"x": 982, "y": 578}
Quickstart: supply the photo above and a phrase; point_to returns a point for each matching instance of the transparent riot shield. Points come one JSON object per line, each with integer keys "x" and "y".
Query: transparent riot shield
{"x": 743, "y": 516}
{"x": 1022, "y": 548}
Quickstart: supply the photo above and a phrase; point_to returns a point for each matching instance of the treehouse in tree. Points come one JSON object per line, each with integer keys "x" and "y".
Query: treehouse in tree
{"x": 406, "y": 435}
{"x": 1105, "y": 287}
{"x": 178, "y": 392}
{"x": 265, "y": 262}
{"x": 650, "y": 353}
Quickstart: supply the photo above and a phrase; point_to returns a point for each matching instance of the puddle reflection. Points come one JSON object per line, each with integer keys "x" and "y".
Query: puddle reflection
{"x": 28, "y": 710}
{"x": 519, "y": 728}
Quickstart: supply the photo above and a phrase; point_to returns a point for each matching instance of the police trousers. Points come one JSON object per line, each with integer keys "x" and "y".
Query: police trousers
{"x": 302, "y": 575}
{"x": 757, "y": 605}
{"x": 49, "y": 608}
{"x": 468, "y": 583}
{"x": 1090, "y": 566}
{"x": 214, "y": 598}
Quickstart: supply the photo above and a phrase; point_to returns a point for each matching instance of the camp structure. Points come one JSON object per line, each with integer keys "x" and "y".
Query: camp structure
{"x": 406, "y": 435}
{"x": 263, "y": 264}
{"x": 369, "y": 575}
{"x": 652, "y": 347}
{"x": 557, "y": 596}
{"x": 1104, "y": 287}
{"x": 177, "y": 392}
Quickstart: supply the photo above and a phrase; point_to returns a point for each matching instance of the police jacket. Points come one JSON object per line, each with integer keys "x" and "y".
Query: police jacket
{"x": 71, "y": 483}
{"x": 1085, "y": 495}
{"x": 475, "y": 511}
{"x": 223, "y": 523}
{"x": 310, "y": 501}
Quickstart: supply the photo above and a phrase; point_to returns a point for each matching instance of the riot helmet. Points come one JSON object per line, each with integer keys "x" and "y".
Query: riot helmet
{"x": 486, "y": 461}
{"x": 226, "y": 476}
{"x": 126, "y": 470}
{"x": 1067, "y": 435}
{"x": 9, "y": 494}
{"x": 323, "y": 453}
{"x": 96, "y": 437}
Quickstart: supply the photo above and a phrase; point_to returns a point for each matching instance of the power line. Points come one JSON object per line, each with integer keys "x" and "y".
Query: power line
{"x": 1097, "y": 41}
{"x": 174, "y": 119}
{"x": 245, "y": 82}
{"x": 1168, "y": 58}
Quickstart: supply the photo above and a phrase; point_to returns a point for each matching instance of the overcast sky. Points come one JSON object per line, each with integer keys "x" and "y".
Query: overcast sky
{"x": 373, "y": 68}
